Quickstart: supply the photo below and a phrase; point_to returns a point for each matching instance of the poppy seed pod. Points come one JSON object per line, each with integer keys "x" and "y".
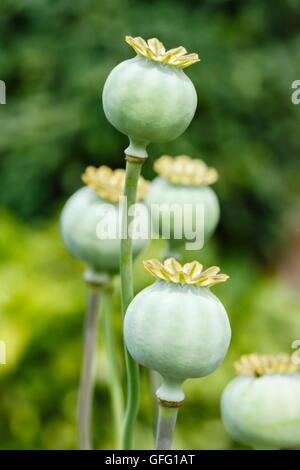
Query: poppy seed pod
{"x": 261, "y": 407}
{"x": 149, "y": 98}
{"x": 177, "y": 326}
{"x": 91, "y": 218}
{"x": 183, "y": 185}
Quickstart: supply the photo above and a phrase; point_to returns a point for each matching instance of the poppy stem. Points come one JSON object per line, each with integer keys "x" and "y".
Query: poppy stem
{"x": 165, "y": 427}
{"x": 115, "y": 386}
{"x": 86, "y": 388}
{"x": 133, "y": 169}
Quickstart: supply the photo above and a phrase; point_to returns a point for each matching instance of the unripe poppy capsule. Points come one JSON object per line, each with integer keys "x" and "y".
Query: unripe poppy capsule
{"x": 261, "y": 407}
{"x": 180, "y": 191}
{"x": 150, "y": 98}
{"x": 94, "y": 209}
{"x": 177, "y": 326}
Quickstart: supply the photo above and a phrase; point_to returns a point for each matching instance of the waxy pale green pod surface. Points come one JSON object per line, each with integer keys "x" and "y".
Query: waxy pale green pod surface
{"x": 79, "y": 221}
{"x": 182, "y": 195}
{"x": 181, "y": 331}
{"x": 263, "y": 412}
{"x": 149, "y": 102}
{"x": 168, "y": 195}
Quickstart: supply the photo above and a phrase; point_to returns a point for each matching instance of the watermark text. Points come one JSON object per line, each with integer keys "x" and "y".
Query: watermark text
{"x": 183, "y": 222}
{"x": 295, "y": 97}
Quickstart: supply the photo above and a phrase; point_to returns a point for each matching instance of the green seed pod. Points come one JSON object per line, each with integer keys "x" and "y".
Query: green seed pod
{"x": 177, "y": 326}
{"x": 183, "y": 182}
{"x": 261, "y": 407}
{"x": 150, "y": 98}
{"x": 94, "y": 204}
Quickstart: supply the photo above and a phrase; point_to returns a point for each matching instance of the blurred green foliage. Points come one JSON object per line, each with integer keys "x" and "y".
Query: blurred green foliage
{"x": 54, "y": 58}
{"x": 56, "y": 55}
{"x": 41, "y": 316}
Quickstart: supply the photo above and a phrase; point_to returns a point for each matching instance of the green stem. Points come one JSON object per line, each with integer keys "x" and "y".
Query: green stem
{"x": 155, "y": 381}
{"x": 165, "y": 427}
{"x": 133, "y": 170}
{"x": 115, "y": 387}
{"x": 86, "y": 388}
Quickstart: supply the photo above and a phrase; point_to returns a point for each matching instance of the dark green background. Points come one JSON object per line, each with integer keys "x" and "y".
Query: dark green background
{"x": 54, "y": 58}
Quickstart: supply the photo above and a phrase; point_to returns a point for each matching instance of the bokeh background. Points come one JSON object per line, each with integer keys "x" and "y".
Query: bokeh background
{"x": 54, "y": 58}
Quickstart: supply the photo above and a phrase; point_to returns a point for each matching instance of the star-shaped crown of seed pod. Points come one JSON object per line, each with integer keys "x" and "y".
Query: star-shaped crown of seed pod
{"x": 190, "y": 273}
{"x": 155, "y": 51}
{"x": 185, "y": 170}
{"x": 109, "y": 184}
{"x": 261, "y": 364}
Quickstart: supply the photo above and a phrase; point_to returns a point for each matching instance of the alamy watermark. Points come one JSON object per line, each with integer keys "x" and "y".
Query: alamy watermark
{"x": 167, "y": 221}
{"x": 2, "y": 92}
{"x": 295, "y": 96}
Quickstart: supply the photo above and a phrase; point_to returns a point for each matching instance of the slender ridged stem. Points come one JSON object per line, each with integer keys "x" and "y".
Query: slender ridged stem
{"x": 154, "y": 381}
{"x": 165, "y": 427}
{"x": 115, "y": 387}
{"x": 86, "y": 388}
{"x": 133, "y": 170}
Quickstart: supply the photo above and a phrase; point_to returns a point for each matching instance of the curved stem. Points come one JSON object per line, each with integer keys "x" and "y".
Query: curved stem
{"x": 133, "y": 170}
{"x": 165, "y": 427}
{"x": 86, "y": 387}
{"x": 115, "y": 387}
